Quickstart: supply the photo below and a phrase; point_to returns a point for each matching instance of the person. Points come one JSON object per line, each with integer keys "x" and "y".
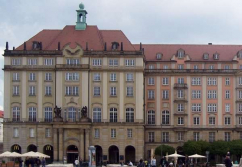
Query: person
{"x": 130, "y": 163}
{"x": 43, "y": 162}
{"x": 38, "y": 162}
{"x": 76, "y": 162}
{"x": 32, "y": 161}
{"x": 227, "y": 161}
{"x": 80, "y": 162}
{"x": 153, "y": 162}
{"x": 162, "y": 161}
{"x": 20, "y": 162}
{"x": 186, "y": 161}
{"x": 141, "y": 163}
{"x": 26, "y": 163}
{"x": 180, "y": 163}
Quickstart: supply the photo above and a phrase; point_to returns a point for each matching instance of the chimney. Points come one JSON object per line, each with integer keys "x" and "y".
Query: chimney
{"x": 6, "y": 45}
{"x": 140, "y": 46}
{"x": 13, "y": 48}
{"x": 24, "y": 45}
{"x": 105, "y": 46}
{"x": 210, "y": 43}
{"x": 122, "y": 49}
{"x": 58, "y": 45}
{"x": 86, "y": 46}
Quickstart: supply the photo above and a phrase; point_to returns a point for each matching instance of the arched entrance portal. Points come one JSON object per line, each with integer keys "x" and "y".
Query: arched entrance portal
{"x": 99, "y": 155}
{"x": 130, "y": 154}
{"x": 16, "y": 148}
{"x": 113, "y": 155}
{"x": 72, "y": 153}
{"x": 32, "y": 147}
{"x": 48, "y": 150}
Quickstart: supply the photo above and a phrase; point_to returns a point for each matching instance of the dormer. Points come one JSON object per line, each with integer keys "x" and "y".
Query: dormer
{"x": 158, "y": 56}
{"x": 180, "y": 53}
{"x": 205, "y": 56}
{"x": 115, "y": 45}
{"x": 216, "y": 56}
{"x": 240, "y": 54}
{"x": 36, "y": 45}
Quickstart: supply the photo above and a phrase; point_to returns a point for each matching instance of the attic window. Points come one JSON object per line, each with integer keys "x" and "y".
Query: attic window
{"x": 158, "y": 56}
{"x": 216, "y": 56}
{"x": 205, "y": 56}
{"x": 180, "y": 53}
{"x": 36, "y": 45}
{"x": 115, "y": 45}
{"x": 240, "y": 54}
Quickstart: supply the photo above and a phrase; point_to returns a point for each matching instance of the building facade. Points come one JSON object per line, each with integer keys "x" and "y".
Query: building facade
{"x": 66, "y": 90}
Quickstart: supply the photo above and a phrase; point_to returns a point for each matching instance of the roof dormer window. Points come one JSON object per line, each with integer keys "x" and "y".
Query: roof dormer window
{"x": 240, "y": 54}
{"x": 216, "y": 56}
{"x": 115, "y": 45}
{"x": 36, "y": 45}
{"x": 158, "y": 56}
{"x": 205, "y": 56}
{"x": 180, "y": 53}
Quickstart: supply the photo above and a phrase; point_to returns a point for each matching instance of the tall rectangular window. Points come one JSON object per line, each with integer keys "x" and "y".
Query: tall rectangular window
{"x": 113, "y": 91}
{"x": 165, "y": 81}
{"x": 96, "y": 133}
{"x": 96, "y": 91}
{"x": 240, "y": 80}
{"x": 113, "y": 133}
{"x": 31, "y": 132}
{"x": 196, "y": 94}
{"x": 165, "y": 137}
{"x": 227, "y": 120}
{"x": 15, "y": 132}
{"x": 196, "y": 81}
{"x": 196, "y": 107}
{"x": 113, "y": 77}
{"x": 211, "y": 121}
{"x": 48, "y": 62}
{"x": 16, "y": 62}
{"x": 240, "y": 107}
{"x": 151, "y": 94}
{"x": 180, "y": 136}
{"x": 48, "y": 90}
{"x": 180, "y": 121}
{"x": 151, "y": 136}
{"x": 240, "y": 94}
{"x": 32, "y": 62}
{"x": 240, "y": 120}
{"x": 211, "y": 137}
{"x": 129, "y": 133}
{"x": 180, "y": 66}
{"x": 196, "y": 121}
{"x": 212, "y": 107}
{"x": 32, "y": 91}
{"x": 16, "y": 77}
{"x": 226, "y": 136}
{"x": 196, "y": 136}
{"x": 165, "y": 94}
{"x": 180, "y": 93}
{"x": 113, "y": 62}
{"x": 130, "y": 91}
{"x": 151, "y": 81}
{"x": 227, "y": 107}
{"x": 129, "y": 62}
{"x": 32, "y": 76}
{"x": 15, "y": 90}
{"x": 97, "y": 115}
{"x": 96, "y": 62}
{"x": 48, "y": 76}
{"x": 129, "y": 77}
{"x": 180, "y": 107}
{"x": 212, "y": 81}
{"x": 227, "y": 81}
{"x": 212, "y": 94}
{"x": 180, "y": 80}
{"x": 47, "y": 132}
{"x": 227, "y": 94}
{"x": 96, "y": 77}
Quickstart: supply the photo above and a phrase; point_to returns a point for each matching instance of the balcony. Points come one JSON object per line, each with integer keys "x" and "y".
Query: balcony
{"x": 72, "y": 66}
{"x": 182, "y": 99}
{"x": 209, "y": 71}
{"x": 28, "y": 67}
{"x": 180, "y": 86}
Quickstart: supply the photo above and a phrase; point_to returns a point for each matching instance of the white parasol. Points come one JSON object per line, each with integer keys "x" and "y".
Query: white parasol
{"x": 196, "y": 156}
{"x": 6, "y": 154}
{"x": 30, "y": 154}
{"x": 15, "y": 155}
{"x": 175, "y": 156}
{"x": 41, "y": 155}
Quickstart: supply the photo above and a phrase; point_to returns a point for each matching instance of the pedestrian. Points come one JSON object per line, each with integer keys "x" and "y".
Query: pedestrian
{"x": 32, "y": 162}
{"x": 76, "y": 163}
{"x": 186, "y": 161}
{"x": 38, "y": 162}
{"x": 141, "y": 163}
{"x": 153, "y": 162}
{"x": 80, "y": 162}
{"x": 227, "y": 161}
{"x": 26, "y": 163}
{"x": 43, "y": 162}
{"x": 180, "y": 163}
{"x": 130, "y": 163}
{"x": 20, "y": 162}
{"x": 162, "y": 161}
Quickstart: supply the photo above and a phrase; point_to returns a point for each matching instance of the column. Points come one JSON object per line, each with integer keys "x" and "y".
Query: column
{"x": 219, "y": 104}
{"x": 139, "y": 96}
{"x": 87, "y": 143}
{"x": 59, "y": 88}
{"x": 81, "y": 144}
{"x": 105, "y": 93}
{"x": 40, "y": 96}
{"x": 55, "y": 144}
{"x": 158, "y": 104}
{"x": 23, "y": 95}
{"x": 61, "y": 149}
{"x": 121, "y": 97}
{"x": 204, "y": 99}
{"x": 7, "y": 95}
{"x": 188, "y": 107}
{"x": 172, "y": 101}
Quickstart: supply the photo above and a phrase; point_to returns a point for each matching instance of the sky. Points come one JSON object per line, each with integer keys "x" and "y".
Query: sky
{"x": 146, "y": 21}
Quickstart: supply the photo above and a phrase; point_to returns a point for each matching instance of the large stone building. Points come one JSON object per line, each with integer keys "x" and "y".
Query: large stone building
{"x": 123, "y": 98}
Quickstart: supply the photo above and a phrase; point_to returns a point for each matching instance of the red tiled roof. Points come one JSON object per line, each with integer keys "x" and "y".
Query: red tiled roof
{"x": 1, "y": 114}
{"x": 226, "y": 52}
{"x": 95, "y": 38}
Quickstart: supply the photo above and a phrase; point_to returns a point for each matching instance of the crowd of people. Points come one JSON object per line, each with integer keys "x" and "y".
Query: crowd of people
{"x": 32, "y": 162}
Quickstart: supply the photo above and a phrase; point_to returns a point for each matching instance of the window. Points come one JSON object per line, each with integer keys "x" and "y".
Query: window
{"x": 48, "y": 76}
{"x": 47, "y": 132}
{"x": 130, "y": 91}
{"x": 212, "y": 81}
{"x": 196, "y": 81}
{"x": 240, "y": 120}
{"x": 16, "y": 62}
{"x": 72, "y": 61}
{"x": 165, "y": 94}
{"x": 151, "y": 117}
{"x": 16, "y": 90}
{"x": 130, "y": 77}
{"x": 180, "y": 80}
{"x": 15, "y": 132}
{"x": 129, "y": 115}
{"x": 165, "y": 117}
{"x": 215, "y": 56}
{"x": 196, "y": 94}
{"x": 180, "y": 107}
{"x": 196, "y": 107}
{"x": 158, "y": 56}
{"x": 240, "y": 80}
{"x": 180, "y": 53}
{"x": 32, "y": 76}
{"x": 47, "y": 90}
{"x": 72, "y": 114}
{"x": 211, "y": 120}
{"x": 96, "y": 77}
{"x": 32, "y": 62}
{"x": 226, "y": 67}
{"x": 227, "y": 94}
{"x": 227, "y": 81}
{"x": 151, "y": 81}
{"x": 195, "y": 67}
{"x": 226, "y": 136}
{"x": 113, "y": 115}
{"x": 113, "y": 77}
{"x": 96, "y": 62}
{"x": 32, "y": 91}
{"x": 151, "y": 136}
{"x": 129, "y": 62}
{"x": 211, "y": 67}
{"x": 165, "y": 67}
{"x": 180, "y": 136}
{"x": 196, "y": 120}
{"x": 72, "y": 76}
{"x": 196, "y": 136}
{"x": 113, "y": 62}
{"x": 212, "y": 107}
{"x": 205, "y": 56}
{"x": 48, "y": 62}
{"x": 180, "y": 66}
{"x": 97, "y": 115}
{"x": 113, "y": 91}
{"x": 129, "y": 133}
{"x": 113, "y": 133}
{"x": 240, "y": 94}
{"x": 48, "y": 114}
{"x": 72, "y": 90}
{"x": 212, "y": 94}
{"x": 97, "y": 91}
{"x": 180, "y": 121}
{"x": 180, "y": 93}
{"x": 227, "y": 107}
{"x": 151, "y": 94}
{"x": 165, "y": 136}
{"x": 151, "y": 67}
{"x": 227, "y": 120}
{"x": 96, "y": 133}
{"x": 31, "y": 132}
{"x": 165, "y": 81}
{"x": 211, "y": 137}
{"x": 16, "y": 113}
{"x": 16, "y": 77}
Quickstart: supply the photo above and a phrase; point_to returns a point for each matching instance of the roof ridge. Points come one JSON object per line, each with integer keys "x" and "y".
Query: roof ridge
{"x": 127, "y": 39}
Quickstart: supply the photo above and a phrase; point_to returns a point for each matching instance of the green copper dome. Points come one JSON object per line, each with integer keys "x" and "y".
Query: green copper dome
{"x": 81, "y": 6}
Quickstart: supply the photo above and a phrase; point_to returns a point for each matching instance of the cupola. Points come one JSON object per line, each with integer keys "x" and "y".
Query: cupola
{"x": 81, "y": 18}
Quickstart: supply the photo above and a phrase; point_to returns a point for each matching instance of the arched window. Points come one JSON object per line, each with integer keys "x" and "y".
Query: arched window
{"x": 129, "y": 115}
{"x": 97, "y": 115}
{"x": 165, "y": 117}
{"x": 16, "y": 113}
{"x": 113, "y": 115}
{"x": 72, "y": 114}
{"x": 48, "y": 114}
{"x": 151, "y": 117}
{"x": 32, "y": 114}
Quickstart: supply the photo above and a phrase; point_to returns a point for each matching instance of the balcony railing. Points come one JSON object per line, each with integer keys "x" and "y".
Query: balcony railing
{"x": 72, "y": 66}
{"x": 180, "y": 86}
{"x": 226, "y": 71}
{"x": 28, "y": 67}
